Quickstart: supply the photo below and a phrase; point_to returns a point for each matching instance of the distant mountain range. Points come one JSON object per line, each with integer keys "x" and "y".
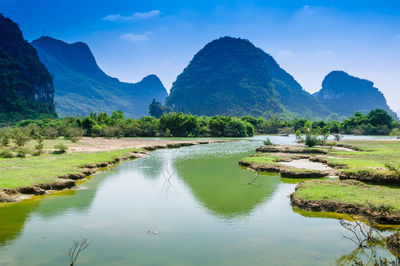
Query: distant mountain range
{"x": 26, "y": 87}
{"x": 230, "y": 76}
{"x": 82, "y": 87}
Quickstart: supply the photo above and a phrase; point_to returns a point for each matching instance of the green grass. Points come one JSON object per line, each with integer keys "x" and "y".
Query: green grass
{"x": 19, "y": 172}
{"x": 350, "y": 192}
{"x": 374, "y": 155}
{"x": 265, "y": 159}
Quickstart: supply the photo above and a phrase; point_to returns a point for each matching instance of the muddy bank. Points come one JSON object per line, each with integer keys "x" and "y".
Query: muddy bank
{"x": 284, "y": 171}
{"x": 288, "y": 149}
{"x": 380, "y": 217}
{"x": 68, "y": 181}
{"x": 393, "y": 243}
{"x": 371, "y": 177}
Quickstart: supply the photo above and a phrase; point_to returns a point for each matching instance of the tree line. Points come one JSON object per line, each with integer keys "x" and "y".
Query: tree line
{"x": 376, "y": 122}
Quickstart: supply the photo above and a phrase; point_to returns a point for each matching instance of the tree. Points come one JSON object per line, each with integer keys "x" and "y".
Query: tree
{"x": 155, "y": 109}
{"x": 379, "y": 117}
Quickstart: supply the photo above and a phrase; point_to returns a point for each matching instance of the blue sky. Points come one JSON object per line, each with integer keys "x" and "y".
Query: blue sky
{"x": 131, "y": 39}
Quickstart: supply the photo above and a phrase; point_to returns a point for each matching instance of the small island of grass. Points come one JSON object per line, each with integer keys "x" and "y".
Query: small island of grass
{"x": 365, "y": 176}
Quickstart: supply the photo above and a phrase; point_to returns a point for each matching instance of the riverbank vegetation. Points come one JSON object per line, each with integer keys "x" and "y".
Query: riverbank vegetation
{"x": 368, "y": 173}
{"x": 376, "y": 122}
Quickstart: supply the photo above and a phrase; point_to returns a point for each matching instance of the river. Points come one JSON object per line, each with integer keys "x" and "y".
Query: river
{"x": 186, "y": 206}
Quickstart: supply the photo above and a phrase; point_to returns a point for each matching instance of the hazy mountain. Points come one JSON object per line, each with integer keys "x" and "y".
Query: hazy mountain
{"x": 26, "y": 87}
{"x": 82, "y": 87}
{"x": 344, "y": 94}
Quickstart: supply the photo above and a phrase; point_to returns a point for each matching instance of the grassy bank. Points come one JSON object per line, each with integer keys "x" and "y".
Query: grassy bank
{"x": 370, "y": 161}
{"x": 351, "y": 192}
{"x": 19, "y": 172}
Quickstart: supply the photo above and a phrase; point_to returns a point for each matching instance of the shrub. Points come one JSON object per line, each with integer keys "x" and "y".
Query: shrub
{"x": 395, "y": 132}
{"x": 40, "y": 145}
{"x": 22, "y": 152}
{"x": 61, "y": 148}
{"x": 74, "y": 134}
{"x": 311, "y": 140}
{"x": 6, "y": 154}
{"x": 249, "y": 129}
{"x": 50, "y": 133}
{"x": 5, "y": 137}
{"x": 268, "y": 142}
{"x": 338, "y": 136}
{"x": 113, "y": 132}
{"x": 19, "y": 137}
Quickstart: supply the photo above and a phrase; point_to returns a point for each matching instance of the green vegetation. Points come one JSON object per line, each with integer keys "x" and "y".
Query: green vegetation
{"x": 19, "y": 172}
{"x": 343, "y": 95}
{"x": 380, "y": 157}
{"x": 26, "y": 86}
{"x": 227, "y": 77}
{"x": 82, "y": 87}
{"x": 352, "y": 192}
{"x": 116, "y": 125}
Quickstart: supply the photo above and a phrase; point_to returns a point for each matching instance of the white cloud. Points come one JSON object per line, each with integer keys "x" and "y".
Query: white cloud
{"x": 134, "y": 16}
{"x": 285, "y": 53}
{"x": 134, "y": 37}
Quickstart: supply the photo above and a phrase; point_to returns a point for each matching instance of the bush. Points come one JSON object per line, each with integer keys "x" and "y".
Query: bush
{"x": 235, "y": 128}
{"x": 22, "y": 152}
{"x": 5, "y": 135}
{"x": 268, "y": 142}
{"x": 74, "y": 134}
{"x": 311, "y": 140}
{"x": 20, "y": 137}
{"x": 338, "y": 136}
{"x": 395, "y": 132}
{"x": 6, "y": 154}
{"x": 40, "y": 145}
{"x": 61, "y": 148}
{"x": 113, "y": 132}
{"x": 50, "y": 133}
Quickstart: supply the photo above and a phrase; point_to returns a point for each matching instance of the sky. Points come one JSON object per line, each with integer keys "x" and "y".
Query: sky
{"x": 132, "y": 39}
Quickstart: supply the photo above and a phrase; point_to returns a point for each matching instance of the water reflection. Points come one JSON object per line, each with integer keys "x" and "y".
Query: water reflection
{"x": 220, "y": 185}
{"x": 15, "y": 215}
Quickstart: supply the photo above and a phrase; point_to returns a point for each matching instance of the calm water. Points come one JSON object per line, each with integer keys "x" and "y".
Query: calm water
{"x": 205, "y": 214}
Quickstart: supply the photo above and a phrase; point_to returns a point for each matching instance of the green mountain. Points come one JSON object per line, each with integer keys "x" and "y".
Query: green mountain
{"x": 230, "y": 76}
{"x": 82, "y": 87}
{"x": 26, "y": 87}
{"x": 344, "y": 94}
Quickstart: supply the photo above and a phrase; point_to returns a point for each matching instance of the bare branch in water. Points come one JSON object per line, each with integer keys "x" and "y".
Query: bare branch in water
{"x": 254, "y": 179}
{"x": 78, "y": 246}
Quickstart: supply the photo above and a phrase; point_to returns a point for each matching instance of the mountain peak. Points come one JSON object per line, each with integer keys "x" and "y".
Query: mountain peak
{"x": 76, "y": 56}
{"x": 82, "y": 87}
{"x": 231, "y": 76}
{"x": 345, "y": 94}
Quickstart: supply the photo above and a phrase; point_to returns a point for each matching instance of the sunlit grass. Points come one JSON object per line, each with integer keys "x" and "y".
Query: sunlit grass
{"x": 18, "y": 172}
{"x": 351, "y": 192}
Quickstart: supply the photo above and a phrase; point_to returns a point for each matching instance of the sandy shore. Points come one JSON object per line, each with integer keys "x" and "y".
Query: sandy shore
{"x": 87, "y": 144}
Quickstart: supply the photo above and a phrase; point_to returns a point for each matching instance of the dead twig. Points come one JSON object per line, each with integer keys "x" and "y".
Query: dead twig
{"x": 78, "y": 246}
